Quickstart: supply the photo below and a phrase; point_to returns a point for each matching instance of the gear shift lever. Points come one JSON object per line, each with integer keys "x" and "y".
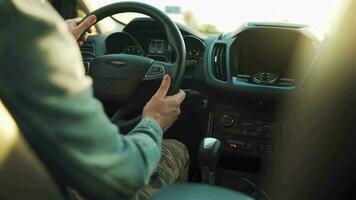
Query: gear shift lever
{"x": 209, "y": 152}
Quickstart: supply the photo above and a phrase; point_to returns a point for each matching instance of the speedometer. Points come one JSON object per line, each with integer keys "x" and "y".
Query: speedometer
{"x": 133, "y": 50}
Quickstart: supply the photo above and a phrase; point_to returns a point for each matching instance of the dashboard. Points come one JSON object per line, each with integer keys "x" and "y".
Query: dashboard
{"x": 260, "y": 59}
{"x": 238, "y": 78}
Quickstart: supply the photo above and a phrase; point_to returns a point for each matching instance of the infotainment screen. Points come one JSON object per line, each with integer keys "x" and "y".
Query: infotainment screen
{"x": 266, "y": 51}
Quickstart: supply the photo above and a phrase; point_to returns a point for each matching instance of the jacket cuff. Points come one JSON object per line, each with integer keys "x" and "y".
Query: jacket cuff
{"x": 149, "y": 121}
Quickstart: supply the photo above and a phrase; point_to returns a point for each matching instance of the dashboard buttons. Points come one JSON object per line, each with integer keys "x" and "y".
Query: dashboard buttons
{"x": 286, "y": 82}
{"x": 247, "y": 145}
{"x": 235, "y": 144}
{"x": 265, "y": 78}
{"x": 243, "y": 78}
{"x": 250, "y": 146}
{"x": 203, "y": 103}
{"x": 227, "y": 121}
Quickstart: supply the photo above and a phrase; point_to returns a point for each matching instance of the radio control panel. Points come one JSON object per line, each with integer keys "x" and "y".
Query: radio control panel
{"x": 245, "y": 131}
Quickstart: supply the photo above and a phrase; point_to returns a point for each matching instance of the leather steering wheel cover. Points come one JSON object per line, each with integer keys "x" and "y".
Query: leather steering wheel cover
{"x": 174, "y": 36}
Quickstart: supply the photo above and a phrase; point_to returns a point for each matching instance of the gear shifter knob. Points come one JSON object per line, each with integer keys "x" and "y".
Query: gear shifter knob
{"x": 209, "y": 153}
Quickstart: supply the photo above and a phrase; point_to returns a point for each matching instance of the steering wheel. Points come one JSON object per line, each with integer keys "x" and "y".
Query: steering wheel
{"x": 117, "y": 76}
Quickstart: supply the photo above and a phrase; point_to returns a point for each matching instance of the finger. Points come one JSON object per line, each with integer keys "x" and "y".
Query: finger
{"x": 163, "y": 89}
{"x": 84, "y": 25}
{"x": 179, "y": 97}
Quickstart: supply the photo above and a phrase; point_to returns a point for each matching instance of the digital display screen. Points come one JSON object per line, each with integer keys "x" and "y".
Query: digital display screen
{"x": 157, "y": 46}
{"x": 268, "y": 52}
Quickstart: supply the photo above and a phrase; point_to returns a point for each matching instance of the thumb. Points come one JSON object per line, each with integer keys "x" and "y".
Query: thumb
{"x": 163, "y": 89}
{"x": 85, "y": 24}
{"x": 180, "y": 96}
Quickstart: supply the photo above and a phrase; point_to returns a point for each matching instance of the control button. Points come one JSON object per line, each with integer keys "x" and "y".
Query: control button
{"x": 261, "y": 147}
{"x": 244, "y": 132}
{"x": 246, "y": 80}
{"x": 227, "y": 121}
{"x": 264, "y": 147}
{"x": 258, "y": 128}
{"x": 250, "y": 146}
{"x": 269, "y": 128}
{"x": 243, "y": 78}
{"x": 267, "y": 147}
{"x": 254, "y": 133}
{"x": 246, "y": 125}
{"x": 203, "y": 103}
{"x": 284, "y": 84}
{"x": 155, "y": 71}
{"x": 269, "y": 135}
{"x": 235, "y": 144}
{"x": 265, "y": 78}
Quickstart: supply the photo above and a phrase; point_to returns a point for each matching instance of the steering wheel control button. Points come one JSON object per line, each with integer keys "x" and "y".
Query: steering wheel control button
{"x": 227, "y": 121}
{"x": 265, "y": 78}
{"x": 154, "y": 72}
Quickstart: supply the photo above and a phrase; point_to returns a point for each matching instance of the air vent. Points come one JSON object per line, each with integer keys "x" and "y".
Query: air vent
{"x": 219, "y": 62}
{"x": 88, "y": 54}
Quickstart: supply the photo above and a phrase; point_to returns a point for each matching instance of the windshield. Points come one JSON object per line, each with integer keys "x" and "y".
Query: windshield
{"x": 213, "y": 17}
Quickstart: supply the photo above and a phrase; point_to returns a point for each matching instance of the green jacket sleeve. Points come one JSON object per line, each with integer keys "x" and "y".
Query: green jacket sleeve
{"x": 42, "y": 77}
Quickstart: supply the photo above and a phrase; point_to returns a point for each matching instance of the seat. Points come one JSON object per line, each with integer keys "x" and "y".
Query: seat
{"x": 22, "y": 175}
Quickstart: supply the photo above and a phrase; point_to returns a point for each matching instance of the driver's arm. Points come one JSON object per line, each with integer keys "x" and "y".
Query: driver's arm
{"x": 43, "y": 84}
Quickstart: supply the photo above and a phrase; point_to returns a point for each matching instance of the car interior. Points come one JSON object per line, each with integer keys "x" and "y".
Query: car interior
{"x": 269, "y": 112}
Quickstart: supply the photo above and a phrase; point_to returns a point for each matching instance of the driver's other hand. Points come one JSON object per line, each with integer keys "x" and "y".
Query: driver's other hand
{"x": 79, "y": 31}
{"x": 164, "y": 109}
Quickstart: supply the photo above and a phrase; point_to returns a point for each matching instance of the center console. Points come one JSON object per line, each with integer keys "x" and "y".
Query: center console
{"x": 249, "y": 72}
{"x": 245, "y": 131}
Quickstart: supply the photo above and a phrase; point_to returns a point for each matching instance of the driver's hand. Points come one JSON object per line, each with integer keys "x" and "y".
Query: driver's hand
{"x": 164, "y": 109}
{"x": 79, "y": 31}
